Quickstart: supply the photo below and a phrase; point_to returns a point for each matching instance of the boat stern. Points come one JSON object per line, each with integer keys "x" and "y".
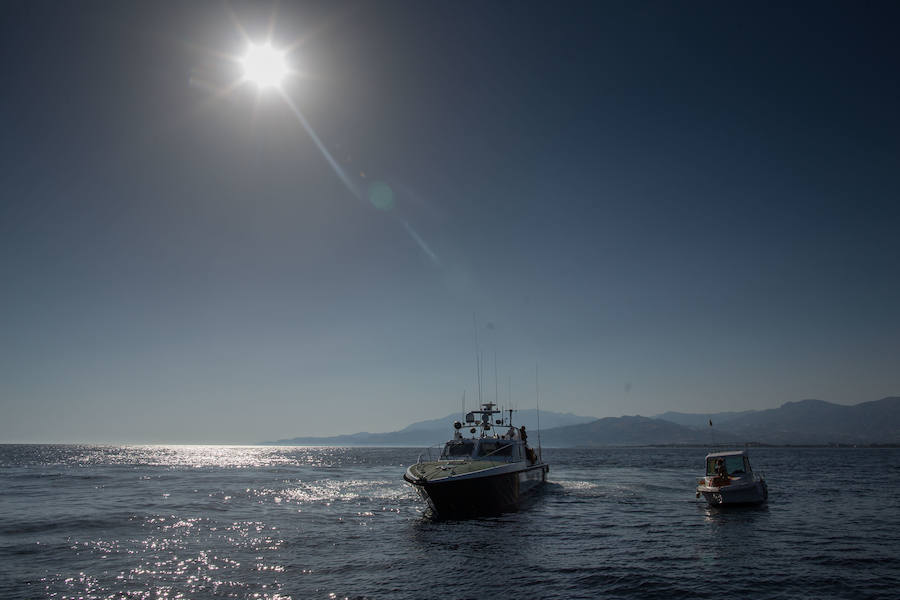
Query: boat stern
{"x": 716, "y": 493}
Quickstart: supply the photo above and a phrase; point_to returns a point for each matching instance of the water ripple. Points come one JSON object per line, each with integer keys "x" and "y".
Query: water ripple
{"x": 104, "y": 522}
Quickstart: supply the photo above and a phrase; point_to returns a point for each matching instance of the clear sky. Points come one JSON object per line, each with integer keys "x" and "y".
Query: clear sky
{"x": 666, "y": 206}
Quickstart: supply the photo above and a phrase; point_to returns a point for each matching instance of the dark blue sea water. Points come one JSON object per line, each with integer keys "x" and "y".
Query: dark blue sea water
{"x": 275, "y": 523}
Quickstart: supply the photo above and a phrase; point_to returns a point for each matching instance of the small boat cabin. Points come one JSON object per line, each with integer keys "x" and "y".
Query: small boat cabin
{"x": 736, "y": 463}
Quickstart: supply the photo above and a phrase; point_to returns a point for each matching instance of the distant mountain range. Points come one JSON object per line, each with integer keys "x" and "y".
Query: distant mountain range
{"x": 432, "y": 431}
{"x": 807, "y": 422}
{"x": 701, "y": 421}
{"x": 623, "y": 431}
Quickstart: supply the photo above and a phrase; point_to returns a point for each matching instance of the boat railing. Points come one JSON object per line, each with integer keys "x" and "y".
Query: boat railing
{"x": 430, "y": 453}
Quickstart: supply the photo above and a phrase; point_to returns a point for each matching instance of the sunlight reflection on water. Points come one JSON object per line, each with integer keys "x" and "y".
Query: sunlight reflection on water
{"x": 196, "y": 521}
{"x": 190, "y": 456}
{"x": 275, "y": 523}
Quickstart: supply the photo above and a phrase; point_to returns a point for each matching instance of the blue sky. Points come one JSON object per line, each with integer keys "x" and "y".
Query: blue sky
{"x": 666, "y": 207}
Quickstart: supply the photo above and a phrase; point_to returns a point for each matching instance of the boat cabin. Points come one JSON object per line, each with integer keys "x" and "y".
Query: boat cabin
{"x": 736, "y": 463}
{"x": 483, "y": 449}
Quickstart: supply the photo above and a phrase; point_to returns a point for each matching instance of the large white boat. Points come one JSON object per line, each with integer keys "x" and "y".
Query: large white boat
{"x": 730, "y": 480}
{"x": 487, "y": 473}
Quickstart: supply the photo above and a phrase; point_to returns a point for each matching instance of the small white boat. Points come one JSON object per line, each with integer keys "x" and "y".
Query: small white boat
{"x": 729, "y": 480}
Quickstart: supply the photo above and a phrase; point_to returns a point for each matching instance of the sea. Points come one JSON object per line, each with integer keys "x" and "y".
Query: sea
{"x": 151, "y": 522}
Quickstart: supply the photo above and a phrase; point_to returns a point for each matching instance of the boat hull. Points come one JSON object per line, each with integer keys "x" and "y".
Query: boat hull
{"x": 735, "y": 495}
{"x": 480, "y": 495}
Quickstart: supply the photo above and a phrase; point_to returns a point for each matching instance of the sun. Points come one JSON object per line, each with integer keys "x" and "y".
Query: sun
{"x": 264, "y": 65}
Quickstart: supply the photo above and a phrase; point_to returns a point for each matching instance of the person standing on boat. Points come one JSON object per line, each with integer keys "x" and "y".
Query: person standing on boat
{"x": 529, "y": 452}
{"x": 721, "y": 471}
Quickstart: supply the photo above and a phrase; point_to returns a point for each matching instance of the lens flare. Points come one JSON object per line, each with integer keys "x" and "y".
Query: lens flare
{"x": 381, "y": 196}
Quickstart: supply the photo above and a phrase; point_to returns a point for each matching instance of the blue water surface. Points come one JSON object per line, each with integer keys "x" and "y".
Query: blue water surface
{"x": 284, "y": 522}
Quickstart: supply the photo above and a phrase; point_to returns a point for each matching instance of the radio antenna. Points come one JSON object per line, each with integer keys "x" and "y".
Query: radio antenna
{"x": 537, "y": 396}
{"x": 477, "y": 360}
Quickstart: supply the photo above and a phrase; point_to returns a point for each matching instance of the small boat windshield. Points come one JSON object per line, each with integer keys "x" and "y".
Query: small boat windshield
{"x": 458, "y": 449}
{"x": 735, "y": 465}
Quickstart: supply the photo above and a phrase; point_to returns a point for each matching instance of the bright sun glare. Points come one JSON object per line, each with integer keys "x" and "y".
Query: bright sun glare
{"x": 264, "y": 66}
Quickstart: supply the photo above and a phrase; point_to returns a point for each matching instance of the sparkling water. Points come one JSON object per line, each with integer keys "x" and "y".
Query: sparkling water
{"x": 283, "y": 522}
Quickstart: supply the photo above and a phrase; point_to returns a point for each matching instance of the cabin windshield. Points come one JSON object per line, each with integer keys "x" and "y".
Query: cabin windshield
{"x": 458, "y": 449}
{"x": 498, "y": 448}
{"x": 735, "y": 465}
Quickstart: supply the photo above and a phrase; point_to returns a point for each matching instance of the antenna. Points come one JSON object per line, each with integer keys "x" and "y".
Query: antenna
{"x": 477, "y": 359}
{"x": 496, "y": 382}
{"x": 509, "y": 404}
{"x": 464, "y": 406}
{"x": 537, "y": 395}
